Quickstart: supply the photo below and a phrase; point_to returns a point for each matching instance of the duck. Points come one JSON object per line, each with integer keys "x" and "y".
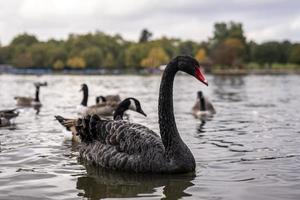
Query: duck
{"x": 131, "y": 147}
{"x": 29, "y": 101}
{"x": 105, "y": 107}
{"x": 203, "y": 107}
{"x": 127, "y": 104}
{"x": 7, "y": 115}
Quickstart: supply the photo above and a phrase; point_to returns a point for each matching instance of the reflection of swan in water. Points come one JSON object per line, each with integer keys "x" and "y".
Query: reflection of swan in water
{"x": 102, "y": 183}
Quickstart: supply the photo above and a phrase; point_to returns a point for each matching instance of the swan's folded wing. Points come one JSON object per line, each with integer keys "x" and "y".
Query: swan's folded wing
{"x": 124, "y": 146}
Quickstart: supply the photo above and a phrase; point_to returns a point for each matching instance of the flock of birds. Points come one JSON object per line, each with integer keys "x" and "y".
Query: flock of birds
{"x": 109, "y": 140}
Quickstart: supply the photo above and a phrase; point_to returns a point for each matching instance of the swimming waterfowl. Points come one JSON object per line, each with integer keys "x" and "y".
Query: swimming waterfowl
{"x": 106, "y": 107}
{"x": 121, "y": 145}
{"x": 100, "y": 99}
{"x": 6, "y": 116}
{"x": 108, "y": 98}
{"x": 203, "y": 107}
{"x": 29, "y": 101}
{"x": 127, "y": 104}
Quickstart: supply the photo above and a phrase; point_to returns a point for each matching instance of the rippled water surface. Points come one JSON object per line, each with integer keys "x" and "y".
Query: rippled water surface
{"x": 249, "y": 150}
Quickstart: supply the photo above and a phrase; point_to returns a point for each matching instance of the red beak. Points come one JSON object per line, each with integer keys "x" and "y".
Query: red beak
{"x": 200, "y": 76}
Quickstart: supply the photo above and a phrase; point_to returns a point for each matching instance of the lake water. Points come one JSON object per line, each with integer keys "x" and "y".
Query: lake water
{"x": 249, "y": 150}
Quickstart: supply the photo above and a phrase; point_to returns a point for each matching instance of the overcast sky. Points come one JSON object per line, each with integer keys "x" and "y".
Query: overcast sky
{"x": 187, "y": 19}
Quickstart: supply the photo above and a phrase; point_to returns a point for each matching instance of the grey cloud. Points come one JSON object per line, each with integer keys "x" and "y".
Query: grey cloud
{"x": 193, "y": 19}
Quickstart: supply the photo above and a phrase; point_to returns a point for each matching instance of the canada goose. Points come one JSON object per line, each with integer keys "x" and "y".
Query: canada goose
{"x": 106, "y": 107}
{"x": 203, "y": 107}
{"x": 29, "y": 101}
{"x": 127, "y": 104}
{"x": 121, "y": 145}
{"x": 6, "y": 116}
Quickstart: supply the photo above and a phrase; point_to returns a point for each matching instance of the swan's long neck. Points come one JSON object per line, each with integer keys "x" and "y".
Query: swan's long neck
{"x": 176, "y": 150}
{"x": 85, "y": 97}
{"x": 37, "y": 92}
{"x": 168, "y": 129}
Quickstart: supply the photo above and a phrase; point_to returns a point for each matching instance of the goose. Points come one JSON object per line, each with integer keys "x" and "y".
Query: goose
{"x": 6, "y": 116}
{"x": 131, "y": 147}
{"x": 127, "y": 104}
{"x": 100, "y": 99}
{"x": 29, "y": 101}
{"x": 203, "y": 107}
{"x": 113, "y": 98}
{"x": 107, "y": 98}
{"x": 104, "y": 108}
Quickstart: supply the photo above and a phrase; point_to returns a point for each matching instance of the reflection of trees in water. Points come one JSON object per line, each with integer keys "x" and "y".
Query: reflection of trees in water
{"x": 229, "y": 88}
{"x": 103, "y": 183}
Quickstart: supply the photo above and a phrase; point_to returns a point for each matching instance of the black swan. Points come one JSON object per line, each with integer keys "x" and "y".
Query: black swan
{"x": 6, "y": 116}
{"x": 104, "y": 108}
{"x": 127, "y": 104}
{"x": 29, "y": 101}
{"x": 203, "y": 107}
{"x": 121, "y": 145}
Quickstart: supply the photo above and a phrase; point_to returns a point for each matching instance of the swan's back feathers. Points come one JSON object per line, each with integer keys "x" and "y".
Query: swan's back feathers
{"x": 120, "y": 145}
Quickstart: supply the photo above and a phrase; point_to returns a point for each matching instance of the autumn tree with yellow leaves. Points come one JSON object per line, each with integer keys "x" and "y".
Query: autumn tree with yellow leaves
{"x": 156, "y": 57}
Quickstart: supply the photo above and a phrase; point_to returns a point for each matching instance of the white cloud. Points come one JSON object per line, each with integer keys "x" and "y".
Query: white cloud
{"x": 188, "y": 19}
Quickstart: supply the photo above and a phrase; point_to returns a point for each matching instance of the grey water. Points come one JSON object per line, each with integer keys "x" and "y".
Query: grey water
{"x": 249, "y": 150}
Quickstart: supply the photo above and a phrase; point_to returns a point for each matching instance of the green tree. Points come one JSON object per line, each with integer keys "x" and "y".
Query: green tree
{"x": 76, "y": 62}
{"x": 145, "y": 36}
{"x": 267, "y": 53}
{"x": 295, "y": 54}
{"x": 134, "y": 54}
{"x": 93, "y": 57}
{"x": 187, "y": 48}
{"x": 24, "y": 39}
{"x": 156, "y": 57}
{"x": 228, "y": 45}
{"x": 58, "y": 65}
{"x": 109, "y": 61}
{"x": 39, "y": 54}
{"x": 23, "y": 60}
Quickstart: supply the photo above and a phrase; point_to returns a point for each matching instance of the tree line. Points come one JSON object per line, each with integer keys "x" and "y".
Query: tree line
{"x": 228, "y": 47}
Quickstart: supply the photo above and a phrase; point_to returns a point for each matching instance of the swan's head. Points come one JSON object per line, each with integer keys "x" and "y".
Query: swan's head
{"x": 132, "y": 104}
{"x": 191, "y": 66}
{"x": 100, "y": 99}
{"x": 84, "y": 87}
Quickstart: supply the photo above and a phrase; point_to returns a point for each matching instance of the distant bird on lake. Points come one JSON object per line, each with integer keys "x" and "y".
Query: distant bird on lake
{"x": 127, "y": 104}
{"x": 6, "y": 116}
{"x": 29, "y": 101}
{"x": 125, "y": 146}
{"x": 203, "y": 107}
{"x": 105, "y": 107}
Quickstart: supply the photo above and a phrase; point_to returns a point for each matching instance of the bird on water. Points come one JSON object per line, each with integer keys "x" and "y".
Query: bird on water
{"x": 125, "y": 146}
